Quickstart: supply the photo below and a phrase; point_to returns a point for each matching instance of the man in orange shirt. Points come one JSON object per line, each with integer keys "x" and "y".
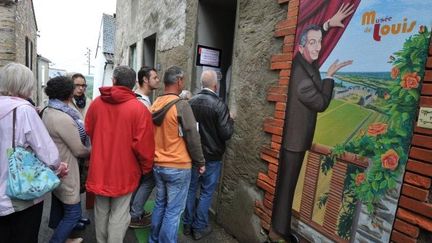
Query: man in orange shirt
{"x": 178, "y": 145}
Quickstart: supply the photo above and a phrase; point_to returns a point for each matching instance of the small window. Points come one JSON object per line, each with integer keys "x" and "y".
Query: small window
{"x": 29, "y": 53}
{"x": 133, "y": 57}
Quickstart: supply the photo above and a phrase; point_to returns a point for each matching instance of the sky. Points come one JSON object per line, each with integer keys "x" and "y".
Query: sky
{"x": 360, "y": 47}
{"x": 67, "y": 28}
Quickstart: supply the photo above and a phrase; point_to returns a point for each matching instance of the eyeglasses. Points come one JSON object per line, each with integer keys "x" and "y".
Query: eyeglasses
{"x": 81, "y": 85}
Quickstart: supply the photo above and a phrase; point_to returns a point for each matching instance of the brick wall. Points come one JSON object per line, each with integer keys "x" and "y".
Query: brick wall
{"x": 414, "y": 215}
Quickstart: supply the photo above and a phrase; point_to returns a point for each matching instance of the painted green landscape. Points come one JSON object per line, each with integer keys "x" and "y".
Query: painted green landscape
{"x": 358, "y": 104}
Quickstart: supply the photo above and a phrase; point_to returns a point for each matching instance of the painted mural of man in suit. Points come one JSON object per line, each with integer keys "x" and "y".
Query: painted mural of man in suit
{"x": 308, "y": 94}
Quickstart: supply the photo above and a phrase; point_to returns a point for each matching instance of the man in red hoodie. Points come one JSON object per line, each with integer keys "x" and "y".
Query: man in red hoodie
{"x": 121, "y": 133}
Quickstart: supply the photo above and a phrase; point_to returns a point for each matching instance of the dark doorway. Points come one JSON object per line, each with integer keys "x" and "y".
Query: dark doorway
{"x": 215, "y": 29}
{"x": 149, "y": 49}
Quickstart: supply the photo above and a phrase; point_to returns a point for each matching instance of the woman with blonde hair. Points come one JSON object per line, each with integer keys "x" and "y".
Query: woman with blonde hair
{"x": 20, "y": 220}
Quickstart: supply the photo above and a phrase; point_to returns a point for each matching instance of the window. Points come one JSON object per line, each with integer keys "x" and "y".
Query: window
{"x": 29, "y": 53}
{"x": 133, "y": 57}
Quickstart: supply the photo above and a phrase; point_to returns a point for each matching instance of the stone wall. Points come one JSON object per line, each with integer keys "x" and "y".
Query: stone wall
{"x": 174, "y": 24}
{"x": 7, "y": 33}
{"x": 17, "y": 21}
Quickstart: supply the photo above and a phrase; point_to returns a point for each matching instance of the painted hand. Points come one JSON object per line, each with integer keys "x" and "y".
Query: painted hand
{"x": 344, "y": 11}
{"x": 336, "y": 66}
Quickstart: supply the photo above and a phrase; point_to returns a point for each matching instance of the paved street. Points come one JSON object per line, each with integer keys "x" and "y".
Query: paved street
{"x": 132, "y": 236}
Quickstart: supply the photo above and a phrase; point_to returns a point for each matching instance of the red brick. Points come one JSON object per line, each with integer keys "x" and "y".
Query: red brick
{"x": 274, "y": 122}
{"x": 275, "y": 145}
{"x": 426, "y": 89}
{"x": 278, "y": 89}
{"x": 262, "y": 214}
{"x": 287, "y": 48}
{"x": 285, "y": 73}
{"x": 269, "y": 158}
{"x": 280, "y": 106}
{"x": 261, "y": 206}
{"x": 283, "y": 81}
{"x": 276, "y": 138}
{"x": 402, "y": 238}
{"x": 268, "y": 204}
{"x": 422, "y": 130}
{"x": 263, "y": 223}
{"x": 417, "y": 180}
{"x": 289, "y": 39}
{"x": 421, "y": 154}
{"x": 426, "y": 101}
{"x": 277, "y": 97}
{"x": 272, "y": 175}
{"x": 409, "y": 229}
{"x": 415, "y": 192}
{"x": 421, "y": 208}
{"x": 279, "y": 114}
{"x": 273, "y": 167}
{"x": 269, "y": 151}
{"x": 280, "y": 65}
{"x": 422, "y": 141}
{"x": 290, "y": 22}
{"x": 428, "y": 76}
{"x": 284, "y": 32}
{"x": 265, "y": 186}
{"x": 281, "y": 57}
{"x": 429, "y": 62}
{"x": 292, "y": 12}
{"x": 266, "y": 178}
{"x": 419, "y": 167}
{"x": 415, "y": 219}
{"x": 294, "y": 4}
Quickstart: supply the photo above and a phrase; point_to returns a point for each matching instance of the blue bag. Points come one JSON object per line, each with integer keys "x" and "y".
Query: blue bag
{"x": 28, "y": 177}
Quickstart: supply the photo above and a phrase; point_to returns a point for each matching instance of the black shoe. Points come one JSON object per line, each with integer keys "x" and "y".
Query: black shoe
{"x": 187, "y": 230}
{"x": 85, "y": 221}
{"x": 79, "y": 226}
{"x": 199, "y": 234}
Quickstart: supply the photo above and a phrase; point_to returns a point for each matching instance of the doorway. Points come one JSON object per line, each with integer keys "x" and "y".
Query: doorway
{"x": 149, "y": 49}
{"x": 215, "y": 29}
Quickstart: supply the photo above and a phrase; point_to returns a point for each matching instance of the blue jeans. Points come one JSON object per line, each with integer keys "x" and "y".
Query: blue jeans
{"x": 140, "y": 196}
{"x": 171, "y": 192}
{"x": 71, "y": 216}
{"x": 196, "y": 213}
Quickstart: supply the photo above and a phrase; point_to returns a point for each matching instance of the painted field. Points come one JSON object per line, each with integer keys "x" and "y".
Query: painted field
{"x": 340, "y": 122}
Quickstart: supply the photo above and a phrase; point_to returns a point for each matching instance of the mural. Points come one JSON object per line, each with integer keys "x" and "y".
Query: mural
{"x": 366, "y": 107}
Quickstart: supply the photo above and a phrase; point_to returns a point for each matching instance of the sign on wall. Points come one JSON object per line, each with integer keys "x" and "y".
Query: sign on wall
{"x": 208, "y": 56}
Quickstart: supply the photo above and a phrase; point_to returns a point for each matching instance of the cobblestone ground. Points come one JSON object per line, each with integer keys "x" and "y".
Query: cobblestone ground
{"x": 218, "y": 234}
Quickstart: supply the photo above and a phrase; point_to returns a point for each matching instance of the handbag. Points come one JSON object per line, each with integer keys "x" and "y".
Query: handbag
{"x": 28, "y": 177}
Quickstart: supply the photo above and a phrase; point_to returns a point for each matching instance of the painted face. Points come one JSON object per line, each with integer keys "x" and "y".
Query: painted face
{"x": 154, "y": 81}
{"x": 312, "y": 47}
{"x": 80, "y": 86}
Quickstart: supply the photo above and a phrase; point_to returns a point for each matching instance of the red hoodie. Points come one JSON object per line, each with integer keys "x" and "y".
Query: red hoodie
{"x": 121, "y": 133}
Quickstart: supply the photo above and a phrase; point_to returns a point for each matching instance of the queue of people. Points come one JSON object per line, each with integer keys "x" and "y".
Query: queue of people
{"x": 130, "y": 147}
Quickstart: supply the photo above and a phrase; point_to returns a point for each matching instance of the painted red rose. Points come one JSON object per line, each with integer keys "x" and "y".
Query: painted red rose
{"x": 390, "y": 160}
{"x": 377, "y": 128}
{"x": 394, "y": 72}
{"x": 410, "y": 81}
{"x": 359, "y": 179}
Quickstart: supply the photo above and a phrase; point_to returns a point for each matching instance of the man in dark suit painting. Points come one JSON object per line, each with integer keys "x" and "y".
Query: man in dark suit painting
{"x": 308, "y": 94}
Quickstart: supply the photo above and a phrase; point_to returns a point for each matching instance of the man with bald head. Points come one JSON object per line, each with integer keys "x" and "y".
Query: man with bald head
{"x": 215, "y": 127}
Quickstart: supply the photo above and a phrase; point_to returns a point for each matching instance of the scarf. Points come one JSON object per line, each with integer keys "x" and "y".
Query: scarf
{"x": 59, "y": 105}
{"x": 80, "y": 101}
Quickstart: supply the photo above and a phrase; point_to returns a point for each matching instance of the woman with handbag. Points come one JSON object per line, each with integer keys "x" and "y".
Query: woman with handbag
{"x": 66, "y": 128}
{"x": 21, "y": 126}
